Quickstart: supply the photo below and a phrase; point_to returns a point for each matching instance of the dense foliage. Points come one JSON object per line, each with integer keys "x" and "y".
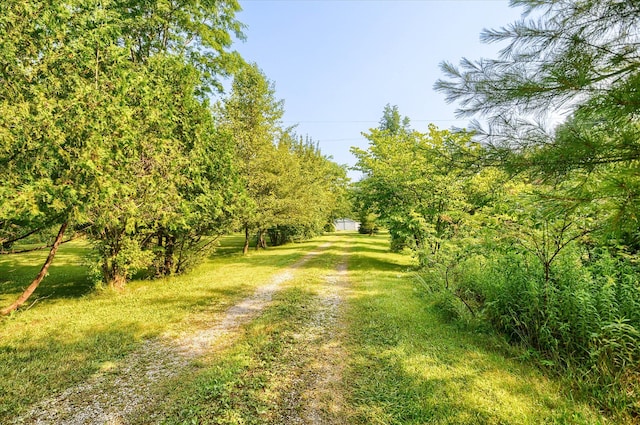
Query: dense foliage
{"x": 106, "y": 130}
{"x": 290, "y": 190}
{"x": 530, "y": 228}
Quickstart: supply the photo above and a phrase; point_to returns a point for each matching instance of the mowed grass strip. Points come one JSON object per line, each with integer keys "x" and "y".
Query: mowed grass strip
{"x": 408, "y": 366}
{"x": 254, "y": 379}
{"x": 75, "y": 332}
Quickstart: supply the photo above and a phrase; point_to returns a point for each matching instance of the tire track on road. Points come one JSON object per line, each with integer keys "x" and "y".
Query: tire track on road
{"x": 316, "y": 394}
{"x": 109, "y": 398}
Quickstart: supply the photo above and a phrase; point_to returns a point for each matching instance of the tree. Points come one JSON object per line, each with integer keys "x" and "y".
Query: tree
{"x": 58, "y": 101}
{"x": 579, "y": 58}
{"x": 309, "y": 192}
{"x": 183, "y": 50}
{"x": 391, "y": 120}
{"x": 251, "y": 116}
{"x": 172, "y": 179}
{"x": 290, "y": 189}
{"x": 573, "y": 52}
{"x": 414, "y": 185}
{"x": 559, "y": 270}
{"x": 84, "y": 116}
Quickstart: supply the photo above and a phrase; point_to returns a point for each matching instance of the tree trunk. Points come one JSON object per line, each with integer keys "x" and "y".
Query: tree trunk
{"x": 547, "y": 279}
{"x": 273, "y": 237}
{"x": 43, "y": 271}
{"x": 245, "y": 249}
{"x": 112, "y": 274}
{"x": 260, "y": 241}
{"x": 118, "y": 282}
{"x": 159, "y": 257}
{"x": 168, "y": 255}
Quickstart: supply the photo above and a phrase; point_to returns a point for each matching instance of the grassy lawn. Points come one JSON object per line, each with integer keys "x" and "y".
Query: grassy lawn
{"x": 73, "y": 332}
{"x": 68, "y": 277}
{"x": 403, "y": 364}
{"x": 408, "y": 366}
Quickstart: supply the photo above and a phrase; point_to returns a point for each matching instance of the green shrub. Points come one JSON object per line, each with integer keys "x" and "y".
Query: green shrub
{"x": 585, "y": 319}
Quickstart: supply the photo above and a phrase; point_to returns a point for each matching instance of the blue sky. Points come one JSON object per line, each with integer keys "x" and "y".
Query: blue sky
{"x": 337, "y": 63}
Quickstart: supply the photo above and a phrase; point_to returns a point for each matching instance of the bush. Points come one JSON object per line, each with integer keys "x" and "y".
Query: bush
{"x": 368, "y": 224}
{"x": 586, "y": 318}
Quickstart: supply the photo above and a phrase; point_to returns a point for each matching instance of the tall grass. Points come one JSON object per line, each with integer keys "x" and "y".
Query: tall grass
{"x": 583, "y": 322}
{"x": 410, "y": 365}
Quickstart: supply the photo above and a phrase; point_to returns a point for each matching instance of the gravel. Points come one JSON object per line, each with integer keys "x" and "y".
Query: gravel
{"x": 111, "y": 396}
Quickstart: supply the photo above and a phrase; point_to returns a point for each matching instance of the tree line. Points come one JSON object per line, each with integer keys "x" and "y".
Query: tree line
{"x": 114, "y": 126}
{"x": 530, "y": 227}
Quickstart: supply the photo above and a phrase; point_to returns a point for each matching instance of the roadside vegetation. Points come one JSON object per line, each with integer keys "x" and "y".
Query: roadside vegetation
{"x": 527, "y": 224}
{"x": 398, "y": 358}
{"x": 409, "y": 364}
{"x": 114, "y": 128}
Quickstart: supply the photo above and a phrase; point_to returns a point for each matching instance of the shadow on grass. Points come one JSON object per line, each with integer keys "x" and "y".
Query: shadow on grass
{"x": 193, "y": 301}
{"x": 369, "y": 248}
{"x": 68, "y": 276}
{"x": 232, "y": 244}
{"x": 40, "y": 367}
{"x": 387, "y": 392}
{"x": 374, "y": 263}
{"x": 409, "y": 366}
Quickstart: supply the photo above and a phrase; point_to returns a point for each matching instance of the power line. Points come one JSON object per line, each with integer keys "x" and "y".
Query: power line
{"x": 341, "y": 140}
{"x": 361, "y": 121}
{"x": 362, "y": 138}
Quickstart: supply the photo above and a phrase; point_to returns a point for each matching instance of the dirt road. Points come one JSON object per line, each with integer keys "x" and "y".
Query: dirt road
{"x": 126, "y": 390}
